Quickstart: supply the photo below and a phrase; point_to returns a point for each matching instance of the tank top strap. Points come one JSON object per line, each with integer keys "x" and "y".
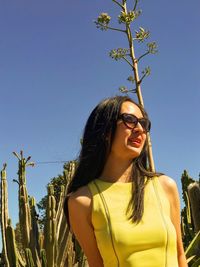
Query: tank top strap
{"x": 92, "y": 188}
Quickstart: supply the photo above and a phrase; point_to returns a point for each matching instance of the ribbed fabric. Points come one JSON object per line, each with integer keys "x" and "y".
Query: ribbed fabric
{"x": 151, "y": 243}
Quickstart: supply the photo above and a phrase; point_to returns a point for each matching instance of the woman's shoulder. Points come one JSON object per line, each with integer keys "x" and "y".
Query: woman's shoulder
{"x": 79, "y": 208}
{"x": 168, "y": 184}
{"x": 80, "y": 198}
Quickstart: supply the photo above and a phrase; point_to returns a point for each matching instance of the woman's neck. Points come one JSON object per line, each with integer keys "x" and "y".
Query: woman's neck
{"x": 116, "y": 169}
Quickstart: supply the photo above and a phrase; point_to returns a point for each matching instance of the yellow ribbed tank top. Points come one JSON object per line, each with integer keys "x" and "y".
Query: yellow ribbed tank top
{"x": 151, "y": 243}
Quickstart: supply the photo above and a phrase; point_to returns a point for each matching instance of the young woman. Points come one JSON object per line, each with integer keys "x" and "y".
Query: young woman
{"x": 122, "y": 214}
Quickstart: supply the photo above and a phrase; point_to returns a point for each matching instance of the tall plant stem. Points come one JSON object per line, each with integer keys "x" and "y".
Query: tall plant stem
{"x": 137, "y": 82}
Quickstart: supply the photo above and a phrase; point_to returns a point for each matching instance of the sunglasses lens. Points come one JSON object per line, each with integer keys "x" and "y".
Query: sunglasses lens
{"x": 146, "y": 125}
{"x": 130, "y": 120}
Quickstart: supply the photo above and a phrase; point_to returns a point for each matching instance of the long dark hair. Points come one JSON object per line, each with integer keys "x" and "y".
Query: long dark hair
{"x": 95, "y": 146}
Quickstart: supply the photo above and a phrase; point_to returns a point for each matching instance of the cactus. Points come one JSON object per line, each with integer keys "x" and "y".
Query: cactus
{"x": 11, "y": 245}
{"x": 41, "y": 241}
{"x": 186, "y": 217}
{"x": 192, "y": 252}
{"x": 65, "y": 243}
{"x": 194, "y": 196}
{"x": 29, "y": 258}
{"x": 24, "y": 209}
{"x": 50, "y": 228}
{"x": 190, "y": 219}
{"x": 4, "y": 214}
{"x": 185, "y": 180}
{"x": 10, "y": 255}
{"x": 52, "y": 246}
{"x": 27, "y": 213}
{"x": 34, "y": 233}
{"x": 43, "y": 258}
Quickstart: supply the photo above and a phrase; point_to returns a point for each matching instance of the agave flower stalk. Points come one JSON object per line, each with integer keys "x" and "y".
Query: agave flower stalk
{"x": 126, "y": 18}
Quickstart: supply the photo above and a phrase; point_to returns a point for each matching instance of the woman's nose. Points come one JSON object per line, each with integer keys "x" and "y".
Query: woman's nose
{"x": 138, "y": 128}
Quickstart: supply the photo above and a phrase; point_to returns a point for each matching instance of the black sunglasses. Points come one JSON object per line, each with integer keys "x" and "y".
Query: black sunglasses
{"x": 131, "y": 121}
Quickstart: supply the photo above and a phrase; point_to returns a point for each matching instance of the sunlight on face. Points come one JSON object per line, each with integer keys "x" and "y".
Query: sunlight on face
{"x": 128, "y": 143}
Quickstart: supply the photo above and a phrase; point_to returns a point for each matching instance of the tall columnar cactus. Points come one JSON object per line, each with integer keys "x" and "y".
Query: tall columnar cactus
{"x": 194, "y": 196}
{"x": 34, "y": 233}
{"x": 69, "y": 172}
{"x": 43, "y": 258}
{"x": 190, "y": 219}
{"x": 11, "y": 245}
{"x": 13, "y": 255}
{"x": 64, "y": 236}
{"x": 53, "y": 247}
{"x": 24, "y": 208}
{"x": 50, "y": 229}
{"x": 4, "y": 215}
{"x": 29, "y": 258}
{"x": 27, "y": 213}
{"x": 186, "y": 216}
{"x": 10, "y": 253}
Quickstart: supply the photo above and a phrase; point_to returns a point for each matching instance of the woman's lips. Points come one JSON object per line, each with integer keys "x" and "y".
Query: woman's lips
{"x": 135, "y": 141}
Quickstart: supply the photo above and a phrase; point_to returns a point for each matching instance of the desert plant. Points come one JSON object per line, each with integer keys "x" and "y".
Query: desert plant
{"x": 52, "y": 246}
{"x": 190, "y": 219}
{"x": 125, "y": 19}
{"x": 194, "y": 197}
{"x": 4, "y": 215}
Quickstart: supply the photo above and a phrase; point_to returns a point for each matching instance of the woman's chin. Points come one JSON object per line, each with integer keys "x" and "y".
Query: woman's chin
{"x": 134, "y": 153}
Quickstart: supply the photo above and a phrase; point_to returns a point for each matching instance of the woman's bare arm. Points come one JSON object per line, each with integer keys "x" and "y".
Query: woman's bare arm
{"x": 80, "y": 208}
{"x": 170, "y": 187}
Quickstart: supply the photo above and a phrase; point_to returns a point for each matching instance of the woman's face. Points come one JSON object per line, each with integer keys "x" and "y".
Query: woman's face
{"x": 128, "y": 143}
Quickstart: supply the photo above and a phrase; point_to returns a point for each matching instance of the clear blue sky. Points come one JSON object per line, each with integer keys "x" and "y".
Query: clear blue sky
{"x": 54, "y": 68}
